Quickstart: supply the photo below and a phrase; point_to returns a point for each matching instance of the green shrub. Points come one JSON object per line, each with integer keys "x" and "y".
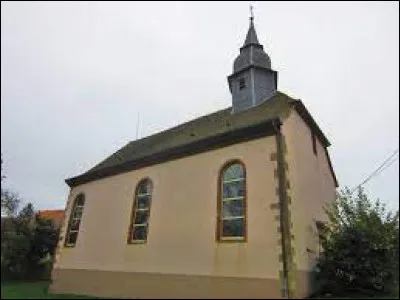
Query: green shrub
{"x": 360, "y": 247}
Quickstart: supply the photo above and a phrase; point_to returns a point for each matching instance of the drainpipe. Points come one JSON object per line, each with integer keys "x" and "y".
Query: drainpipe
{"x": 283, "y": 210}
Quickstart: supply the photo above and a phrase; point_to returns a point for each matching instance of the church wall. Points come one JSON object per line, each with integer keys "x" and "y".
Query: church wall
{"x": 116, "y": 285}
{"x": 182, "y": 223}
{"x": 311, "y": 185}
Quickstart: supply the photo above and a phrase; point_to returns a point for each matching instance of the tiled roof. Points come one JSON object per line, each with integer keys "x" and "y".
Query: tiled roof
{"x": 57, "y": 215}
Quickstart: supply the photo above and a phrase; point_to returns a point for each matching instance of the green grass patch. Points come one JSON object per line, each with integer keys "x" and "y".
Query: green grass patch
{"x": 39, "y": 290}
{"x": 33, "y": 290}
{"x": 394, "y": 295}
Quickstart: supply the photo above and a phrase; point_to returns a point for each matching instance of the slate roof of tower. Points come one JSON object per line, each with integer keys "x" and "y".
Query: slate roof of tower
{"x": 251, "y": 37}
{"x": 252, "y": 53}
{"x": 214, "y": 124}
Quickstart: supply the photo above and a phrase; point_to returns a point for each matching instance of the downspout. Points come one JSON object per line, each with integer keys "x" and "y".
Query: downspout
{"x": 283, "y": 211}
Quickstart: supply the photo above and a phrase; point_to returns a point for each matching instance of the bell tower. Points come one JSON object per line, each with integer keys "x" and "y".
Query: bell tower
{"x": 252, "y": 81}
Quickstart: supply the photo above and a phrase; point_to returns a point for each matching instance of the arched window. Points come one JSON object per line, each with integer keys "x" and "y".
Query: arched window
{"x": 232, "y": 210}
{"x": 140, "y": 213}
{"x": 75, "y": 221}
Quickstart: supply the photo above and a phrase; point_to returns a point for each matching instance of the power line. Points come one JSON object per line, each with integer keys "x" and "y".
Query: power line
{"x": 383, "y": 166}
{"x": 387, "y": 165}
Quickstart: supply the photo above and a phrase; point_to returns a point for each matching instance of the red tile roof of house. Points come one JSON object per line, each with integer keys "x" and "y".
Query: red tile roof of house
{"x": 57, "y": 215}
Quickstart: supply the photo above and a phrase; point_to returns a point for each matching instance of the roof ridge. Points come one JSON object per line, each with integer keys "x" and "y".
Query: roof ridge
{"x": 152, "y": 136}
{"x": 278, "y": 93}
{"x": 180, "y": 125}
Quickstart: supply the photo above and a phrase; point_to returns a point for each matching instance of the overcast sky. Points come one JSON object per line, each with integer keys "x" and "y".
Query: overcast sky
{"x": 75, "y": 75}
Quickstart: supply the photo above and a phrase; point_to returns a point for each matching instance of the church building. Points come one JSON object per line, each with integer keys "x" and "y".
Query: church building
{"x": 223, "y": 206}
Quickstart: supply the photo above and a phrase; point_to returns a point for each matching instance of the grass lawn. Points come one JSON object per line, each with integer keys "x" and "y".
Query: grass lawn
{"x": 363, "y": 297}
{"x": 33, "y": 290}
{"x": 39, "y": 290}
{"x": 356, "y": 296}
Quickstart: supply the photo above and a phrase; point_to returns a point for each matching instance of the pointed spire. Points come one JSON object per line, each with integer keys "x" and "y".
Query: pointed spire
{"x": 252, "y": 52}
{"x": 251, "y": 37}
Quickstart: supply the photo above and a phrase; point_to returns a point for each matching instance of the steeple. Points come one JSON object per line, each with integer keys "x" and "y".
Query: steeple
{"x": 252, "y": 81}
{"x": 251, "y": 37}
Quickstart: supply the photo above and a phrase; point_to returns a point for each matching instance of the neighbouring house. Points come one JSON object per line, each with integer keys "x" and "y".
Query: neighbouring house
{"x": 56, "y": 215}
{"x": 223, "y": 206}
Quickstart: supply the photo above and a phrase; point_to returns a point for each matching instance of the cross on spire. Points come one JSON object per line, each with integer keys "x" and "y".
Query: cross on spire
{"x": 251, "y": 12}
{"x": 251, "y": 38}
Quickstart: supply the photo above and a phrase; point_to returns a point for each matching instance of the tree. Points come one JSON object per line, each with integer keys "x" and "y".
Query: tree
{"x": 16, "y": 244}
{"x": 26, "y": 247}
{"x": 44, "y": 240}
{"x": 9, "y": 200}
{"x": 27, "y": 240}
{"x": 360, "y": 246}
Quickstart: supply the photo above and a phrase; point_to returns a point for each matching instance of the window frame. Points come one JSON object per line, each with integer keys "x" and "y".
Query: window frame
{"x": 242, "y": 83}
{"x": 314, "y": 143}
{"x": 218, "y": 235}
{"x": 72, "y": 218}
{"x": 135, "y": 209}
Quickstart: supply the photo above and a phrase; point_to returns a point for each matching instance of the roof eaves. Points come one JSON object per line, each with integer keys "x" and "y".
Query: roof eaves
{"x": 246, "y": 133}
{"x": 331, "y": 168}
{"x": 304, "y": 113}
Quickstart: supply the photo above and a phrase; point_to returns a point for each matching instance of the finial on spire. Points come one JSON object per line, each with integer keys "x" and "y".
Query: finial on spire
{"x": 251, "y": 13}
{"x": 251, "y": 37}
